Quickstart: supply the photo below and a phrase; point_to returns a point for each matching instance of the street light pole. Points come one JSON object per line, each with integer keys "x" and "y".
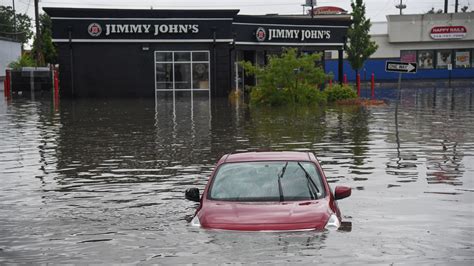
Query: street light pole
{"x": 401, "y": 6}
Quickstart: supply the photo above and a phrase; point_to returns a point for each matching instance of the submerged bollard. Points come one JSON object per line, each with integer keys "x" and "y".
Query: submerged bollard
{"x": 55, "y": 89}
{"x": 372, "y": 86}
{"x": 7, "y": 84}
{"x": 358, "y": 84}
{"x": 56, "y": 84}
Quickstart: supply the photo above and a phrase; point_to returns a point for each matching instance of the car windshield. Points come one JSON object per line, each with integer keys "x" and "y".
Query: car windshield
{"x": 267, "y": 181}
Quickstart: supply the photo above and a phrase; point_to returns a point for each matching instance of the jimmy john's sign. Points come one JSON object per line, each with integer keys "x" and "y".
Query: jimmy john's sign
{"x": 275, "y": 34}
{"x": 95, "y": 29}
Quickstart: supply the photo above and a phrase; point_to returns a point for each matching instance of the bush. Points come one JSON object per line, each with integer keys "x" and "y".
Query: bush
{"x": 340, "y": 92}
{"x": 287, "y": 79}
{"x": 24, "y": 61}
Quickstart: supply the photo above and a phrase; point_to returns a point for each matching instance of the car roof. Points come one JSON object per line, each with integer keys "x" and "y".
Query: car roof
{"x": 267, "y": 156}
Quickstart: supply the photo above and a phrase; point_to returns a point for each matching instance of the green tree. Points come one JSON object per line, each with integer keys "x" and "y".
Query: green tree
{"x": 288, "y": 78}
{"x": 361, "y": 47}
{"x": 48, "y": 50}
{"x": 7, "y": 25}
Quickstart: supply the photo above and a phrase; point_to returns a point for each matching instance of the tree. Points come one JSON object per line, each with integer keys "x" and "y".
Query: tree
{"x": 7, "y": 25}
{"x": 289, "y": 78}
{"x": 47, "y": 46}
{"x": 361, "y": 47}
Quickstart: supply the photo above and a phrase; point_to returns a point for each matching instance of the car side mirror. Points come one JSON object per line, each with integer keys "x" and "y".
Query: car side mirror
{"x": 342, "y": 192}
{"x": 192, "y": 194}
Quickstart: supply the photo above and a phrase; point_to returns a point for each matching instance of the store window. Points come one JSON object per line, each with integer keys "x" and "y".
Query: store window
{"x": 444, "y": 58}
{"x": 182, "y": 70}
{"x": 425, "y": 59}
{"x": 462, "y": 59}
{"x": 408, "y": 56}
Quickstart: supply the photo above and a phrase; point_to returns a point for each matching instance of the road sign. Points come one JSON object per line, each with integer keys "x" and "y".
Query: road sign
{"x": 400, "y": 67}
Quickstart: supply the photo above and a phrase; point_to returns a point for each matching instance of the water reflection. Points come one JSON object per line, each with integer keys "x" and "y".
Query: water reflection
{"x": 102, "y": 180}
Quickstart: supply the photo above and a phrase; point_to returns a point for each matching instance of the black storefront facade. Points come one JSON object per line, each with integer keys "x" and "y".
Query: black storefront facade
{"x": 141, "y": 53}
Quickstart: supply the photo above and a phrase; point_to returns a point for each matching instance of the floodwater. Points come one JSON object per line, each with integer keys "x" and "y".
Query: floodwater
{"x": 102, "y": 181}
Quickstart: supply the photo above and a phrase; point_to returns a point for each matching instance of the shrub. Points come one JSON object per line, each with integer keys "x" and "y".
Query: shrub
{"x": 24, "y": 61}
{"x": 340, "y": 92}
{"x": 287, "y": 79}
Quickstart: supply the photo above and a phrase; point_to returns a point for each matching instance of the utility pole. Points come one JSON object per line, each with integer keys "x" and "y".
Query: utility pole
{"x": 14, "y": 21}
{"x": 312, "y": 7}
{"x": 445, "y": 6}
{"x": 456, "y": 6}
{"x": 39, "y": 53}
{"x": 401, "y": 6}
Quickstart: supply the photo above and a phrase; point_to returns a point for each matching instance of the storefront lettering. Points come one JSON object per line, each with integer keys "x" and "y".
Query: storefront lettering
{"x": 298, "y": 34}
{"x": 448, "y": 32}
{"x": 149, "y": 28}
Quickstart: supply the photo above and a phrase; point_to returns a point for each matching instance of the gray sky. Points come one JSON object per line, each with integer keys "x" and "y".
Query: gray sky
{"x": 376, "y": 9}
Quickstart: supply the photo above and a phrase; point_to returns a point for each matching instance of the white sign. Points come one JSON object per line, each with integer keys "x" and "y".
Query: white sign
{"x": 297, "y": 34}
{"x": 448, "y": 32}
{"x": 400, "y": 67}
{"x": 95, "y": 29}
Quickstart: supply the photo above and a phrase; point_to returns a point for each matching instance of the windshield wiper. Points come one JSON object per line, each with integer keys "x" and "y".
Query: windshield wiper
{"x": 280, "y": 176}
{"x": 310, "y": 181}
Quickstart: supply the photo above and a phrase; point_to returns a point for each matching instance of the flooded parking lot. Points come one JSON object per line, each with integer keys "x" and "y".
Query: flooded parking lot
{"x": 102, "y": 181}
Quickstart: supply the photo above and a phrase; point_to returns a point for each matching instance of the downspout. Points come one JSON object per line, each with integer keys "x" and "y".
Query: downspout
{"x": 214, "y": 60}
{"x": 71, "y": 62}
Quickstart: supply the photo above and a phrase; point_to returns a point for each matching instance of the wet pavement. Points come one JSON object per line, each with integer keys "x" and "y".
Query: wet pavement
{"x": 102, "y": 181}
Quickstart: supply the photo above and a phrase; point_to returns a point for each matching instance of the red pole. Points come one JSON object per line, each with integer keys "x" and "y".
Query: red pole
{"x": 7, "y": 84}
{"x": 358, "y": 85}
{"x": 345, "y": 78}
{"x": 330, "y": 83}
{"x": 372, "y": 86}
{"x": 56, "y": 89}
{"x": 56, "y": 84}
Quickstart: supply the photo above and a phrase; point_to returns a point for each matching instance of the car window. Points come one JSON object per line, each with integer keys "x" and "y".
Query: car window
{"x": 261, "y": 181}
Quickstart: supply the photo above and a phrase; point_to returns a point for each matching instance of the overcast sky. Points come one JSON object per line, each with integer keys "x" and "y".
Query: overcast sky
{"x": 376, "y": 9}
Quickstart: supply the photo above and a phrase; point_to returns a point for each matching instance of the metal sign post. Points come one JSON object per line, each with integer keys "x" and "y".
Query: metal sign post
{"x": 400, "y": 67}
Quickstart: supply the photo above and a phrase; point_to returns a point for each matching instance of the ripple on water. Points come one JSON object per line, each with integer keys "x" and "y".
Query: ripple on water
{"x": 102, "y": 181}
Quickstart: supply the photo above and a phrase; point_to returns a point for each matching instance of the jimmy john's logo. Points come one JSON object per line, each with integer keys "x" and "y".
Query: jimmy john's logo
{"x": 94, "y": 29}
{"x": 297, "y": 34}
{"x": 260, "y": 34}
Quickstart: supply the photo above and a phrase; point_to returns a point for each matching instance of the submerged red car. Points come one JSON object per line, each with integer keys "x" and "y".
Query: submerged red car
{"x": 268, "y": 191}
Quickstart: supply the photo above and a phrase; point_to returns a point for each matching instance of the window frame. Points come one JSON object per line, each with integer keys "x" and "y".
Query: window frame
{"x": 190, "y": 62}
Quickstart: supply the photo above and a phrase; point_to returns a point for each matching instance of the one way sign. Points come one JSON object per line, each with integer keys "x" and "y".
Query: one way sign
{"x": 400, "y": 67}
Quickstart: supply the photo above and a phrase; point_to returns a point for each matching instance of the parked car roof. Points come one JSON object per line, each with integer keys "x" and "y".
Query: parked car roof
{"x": 267, "y": 156}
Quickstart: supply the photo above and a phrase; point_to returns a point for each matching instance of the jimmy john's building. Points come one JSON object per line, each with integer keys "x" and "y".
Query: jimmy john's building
{"x": 109, "y": 52}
